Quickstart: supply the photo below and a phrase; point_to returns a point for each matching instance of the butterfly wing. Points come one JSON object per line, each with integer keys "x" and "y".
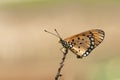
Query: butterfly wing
{"x": 85, "y": 42}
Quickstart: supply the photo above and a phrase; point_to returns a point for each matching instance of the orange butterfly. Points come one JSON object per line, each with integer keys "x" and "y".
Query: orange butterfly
{"x": 83, "y": 43}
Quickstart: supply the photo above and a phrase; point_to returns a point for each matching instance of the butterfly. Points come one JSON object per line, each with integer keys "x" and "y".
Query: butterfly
{"x": 83, "y": 43}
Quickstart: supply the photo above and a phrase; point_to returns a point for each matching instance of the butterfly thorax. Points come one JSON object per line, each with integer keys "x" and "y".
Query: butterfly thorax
{"x": 65, "y": 44}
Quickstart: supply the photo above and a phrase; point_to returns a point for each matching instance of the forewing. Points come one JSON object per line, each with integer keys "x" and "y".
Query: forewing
{"x": 85, "y": 42}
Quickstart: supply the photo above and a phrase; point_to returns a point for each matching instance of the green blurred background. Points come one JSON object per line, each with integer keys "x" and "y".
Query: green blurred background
{"x": 28, "y": 53}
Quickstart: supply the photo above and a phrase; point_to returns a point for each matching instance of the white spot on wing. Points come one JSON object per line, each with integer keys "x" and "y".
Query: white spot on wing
{"x": 91, "y": 47}
{"x": 92, "y": 39}
{"x": 93, "y": 43}
{"x": 84, "y": 55}
{"x": 87, "y": 53}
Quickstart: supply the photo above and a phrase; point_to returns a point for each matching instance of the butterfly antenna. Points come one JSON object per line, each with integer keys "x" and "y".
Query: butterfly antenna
{"x": 57, "y": 33}
{"x": 51, "y": 33}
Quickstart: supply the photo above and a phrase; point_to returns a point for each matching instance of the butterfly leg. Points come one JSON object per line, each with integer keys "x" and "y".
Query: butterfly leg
{"x": 63, "y": 50}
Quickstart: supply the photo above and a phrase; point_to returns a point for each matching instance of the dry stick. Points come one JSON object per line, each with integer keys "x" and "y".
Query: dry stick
{"x": 61, "y": 65}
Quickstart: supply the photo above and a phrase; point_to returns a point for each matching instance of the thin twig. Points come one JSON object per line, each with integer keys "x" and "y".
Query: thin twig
{"x": 61, "y": 65}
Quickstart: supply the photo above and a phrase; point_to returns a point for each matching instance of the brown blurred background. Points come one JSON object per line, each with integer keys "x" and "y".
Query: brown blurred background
{"x": 28, "y": 53}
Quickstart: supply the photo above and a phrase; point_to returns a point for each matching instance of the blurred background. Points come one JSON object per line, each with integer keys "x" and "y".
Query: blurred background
{"x": 28, "y": 53}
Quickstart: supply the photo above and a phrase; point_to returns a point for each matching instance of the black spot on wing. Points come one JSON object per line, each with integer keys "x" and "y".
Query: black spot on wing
{"x": 78, "y": 38}
{"x": 80, "y": 43}
{"x": 72, "y": 40}
{"x": 74, "y": 43}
